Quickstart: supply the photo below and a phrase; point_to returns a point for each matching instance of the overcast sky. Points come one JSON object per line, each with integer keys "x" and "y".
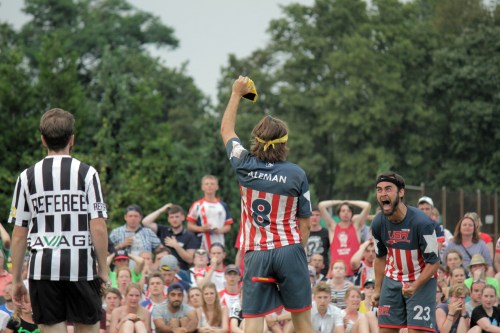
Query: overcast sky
{"x": 208, "y": 30}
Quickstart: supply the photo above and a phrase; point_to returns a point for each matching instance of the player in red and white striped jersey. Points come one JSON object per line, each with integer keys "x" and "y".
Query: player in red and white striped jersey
{"x": 276, "y": 206}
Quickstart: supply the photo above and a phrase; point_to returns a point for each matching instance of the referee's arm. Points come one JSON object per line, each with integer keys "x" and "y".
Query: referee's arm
{"x": 99, "y": 234}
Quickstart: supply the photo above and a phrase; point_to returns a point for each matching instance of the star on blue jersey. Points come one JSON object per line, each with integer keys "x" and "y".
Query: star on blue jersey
{"x": 432, "y": 244}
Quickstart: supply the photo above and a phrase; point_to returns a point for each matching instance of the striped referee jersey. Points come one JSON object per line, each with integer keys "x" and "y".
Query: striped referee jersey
{"x": 56, "y": 199}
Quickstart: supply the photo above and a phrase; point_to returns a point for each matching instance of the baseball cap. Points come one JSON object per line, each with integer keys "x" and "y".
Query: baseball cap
{"x": 175, "y": 286}
{"x": 168, "y": 263}
{"x": 368, "y": 281}
{"x": 121, "y": 254}
{"x": 425, "y": 200}
{"x": 232, "y": 268}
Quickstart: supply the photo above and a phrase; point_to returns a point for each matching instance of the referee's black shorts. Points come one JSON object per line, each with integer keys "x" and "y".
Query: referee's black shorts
{"x": 57, "y": 301}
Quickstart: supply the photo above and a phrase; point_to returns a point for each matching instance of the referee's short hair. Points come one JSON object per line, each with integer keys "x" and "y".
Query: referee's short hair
{"x": 57, "y": 127}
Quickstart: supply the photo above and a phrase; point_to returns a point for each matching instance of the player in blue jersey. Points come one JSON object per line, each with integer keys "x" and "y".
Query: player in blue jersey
{"x": 406, "y": 261}
{"x": 276, "y": 207}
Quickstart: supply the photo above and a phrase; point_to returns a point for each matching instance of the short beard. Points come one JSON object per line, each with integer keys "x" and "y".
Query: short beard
{"x": 394, "y": 206}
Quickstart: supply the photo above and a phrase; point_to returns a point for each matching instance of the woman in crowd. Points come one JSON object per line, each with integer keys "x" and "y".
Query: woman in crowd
{"x": 123, "y": 279}
{"x": 194, "y": 297}
{"x": 354, "y": 321}
{"x": 339, "y": 283}
{"x": 452, "y": 260}
{"x": 453, "y": 317}
{"x": 21, "y": 320}
{"x": 131, "y": 317}
{"x": 484, "y": 236}
{"x": 112, "y": 300}
{"x": 212, "y": 317}
{"x": 467, "y": 241}
{"x": 486, "y": 317}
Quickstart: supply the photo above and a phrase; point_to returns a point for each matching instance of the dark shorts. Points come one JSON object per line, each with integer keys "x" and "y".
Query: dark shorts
{"x": 288, "y": 265}
{"x": 57, "y": 301}
{"x": 416, "y": 312}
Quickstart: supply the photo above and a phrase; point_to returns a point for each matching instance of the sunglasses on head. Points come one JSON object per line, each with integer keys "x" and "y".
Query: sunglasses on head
{"x": 200, "y": 252}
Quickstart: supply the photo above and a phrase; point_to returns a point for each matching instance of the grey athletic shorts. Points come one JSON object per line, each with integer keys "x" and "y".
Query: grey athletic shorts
{"x": 416, "y": 312}
{"x": 288, "y": 265}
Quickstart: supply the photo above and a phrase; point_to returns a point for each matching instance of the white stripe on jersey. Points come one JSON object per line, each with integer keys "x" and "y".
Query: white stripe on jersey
{"x": 279, "y": 210}
{"x": 399, "y": 263}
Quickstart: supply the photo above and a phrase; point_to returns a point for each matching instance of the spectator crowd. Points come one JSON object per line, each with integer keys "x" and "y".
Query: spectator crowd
{"x": 169, "y": 272}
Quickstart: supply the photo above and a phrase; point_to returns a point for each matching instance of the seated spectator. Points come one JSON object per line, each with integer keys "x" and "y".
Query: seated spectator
{"x": 121, "y": 258}
{"x": 368, "y": 289}
{"x": 174, "y": 316}
{"x": 468, "y": 242}
{"x": 147, "y": 256}
{"x": 131, "y": 317}
{"x": 452, "y": 260}
{"x": 200, "y": 263}
{"x": 5, "y": 276}
{"x": 112, "y": 300}
{"x": 212, "y": 317}
{"x": 354, "y": 321}
{"x": 362, "y": 263}
{"x": 453, "y": 317}
{"x": 21, "y": 320}
{"x": 123, "y": 280}
{"x": 325, "y": 316}
{"x": 231, "y": 292}
{"x": 484, "y": 236}
{"x": 159, "y": 253}
{"x": 132, "y": 236}
{"x": 215, "y": 272}
{"x": 486, "y": 317}
{"x": 476, "y": 293}
{"x": 180, "y": 241}
{"x": 155, "y": 293}
{"x": 8, "y": 306}
{"x": 194, "y": 297}
{"x": 317, "y": 261}
{"x": 169, "y": 267}
{"x": 458, "y": 275}
{"x": 209, "y": 218}
{"x": 477, "y": 269}
{"x": 339, "y": 284}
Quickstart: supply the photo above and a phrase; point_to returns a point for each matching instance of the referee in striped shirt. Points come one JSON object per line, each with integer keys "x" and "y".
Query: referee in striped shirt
{"x": 60, "y": 217}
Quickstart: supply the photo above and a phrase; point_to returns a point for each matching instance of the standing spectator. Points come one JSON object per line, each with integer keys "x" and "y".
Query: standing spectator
{"x": 452, "y": 317}
{"x": 345, "y": 236}
{"x": 174, "y": 316}
{"x": 131, "y": 317}
{"x": 362, "y": 263}
{"x": 132, "y": 236}
{"x": 231, "y": 292}
{"x": 339, "y": 283}
{"x": 215, "y": 272}
{"x": 276, "y": 210}
{"x": 209, "y": 217}
{"x": 212, "y": 317}
{"x": 325, "y": 316}
{"x": 58, "y": 205}
{"x": 181, "y": 242}
{"x": 468, "y": 242}
{"x": 407, "y": 252}
{"x": 319, "y": 240}
{"x": 426, "y": 205}
{"x": 486, "y": 317}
